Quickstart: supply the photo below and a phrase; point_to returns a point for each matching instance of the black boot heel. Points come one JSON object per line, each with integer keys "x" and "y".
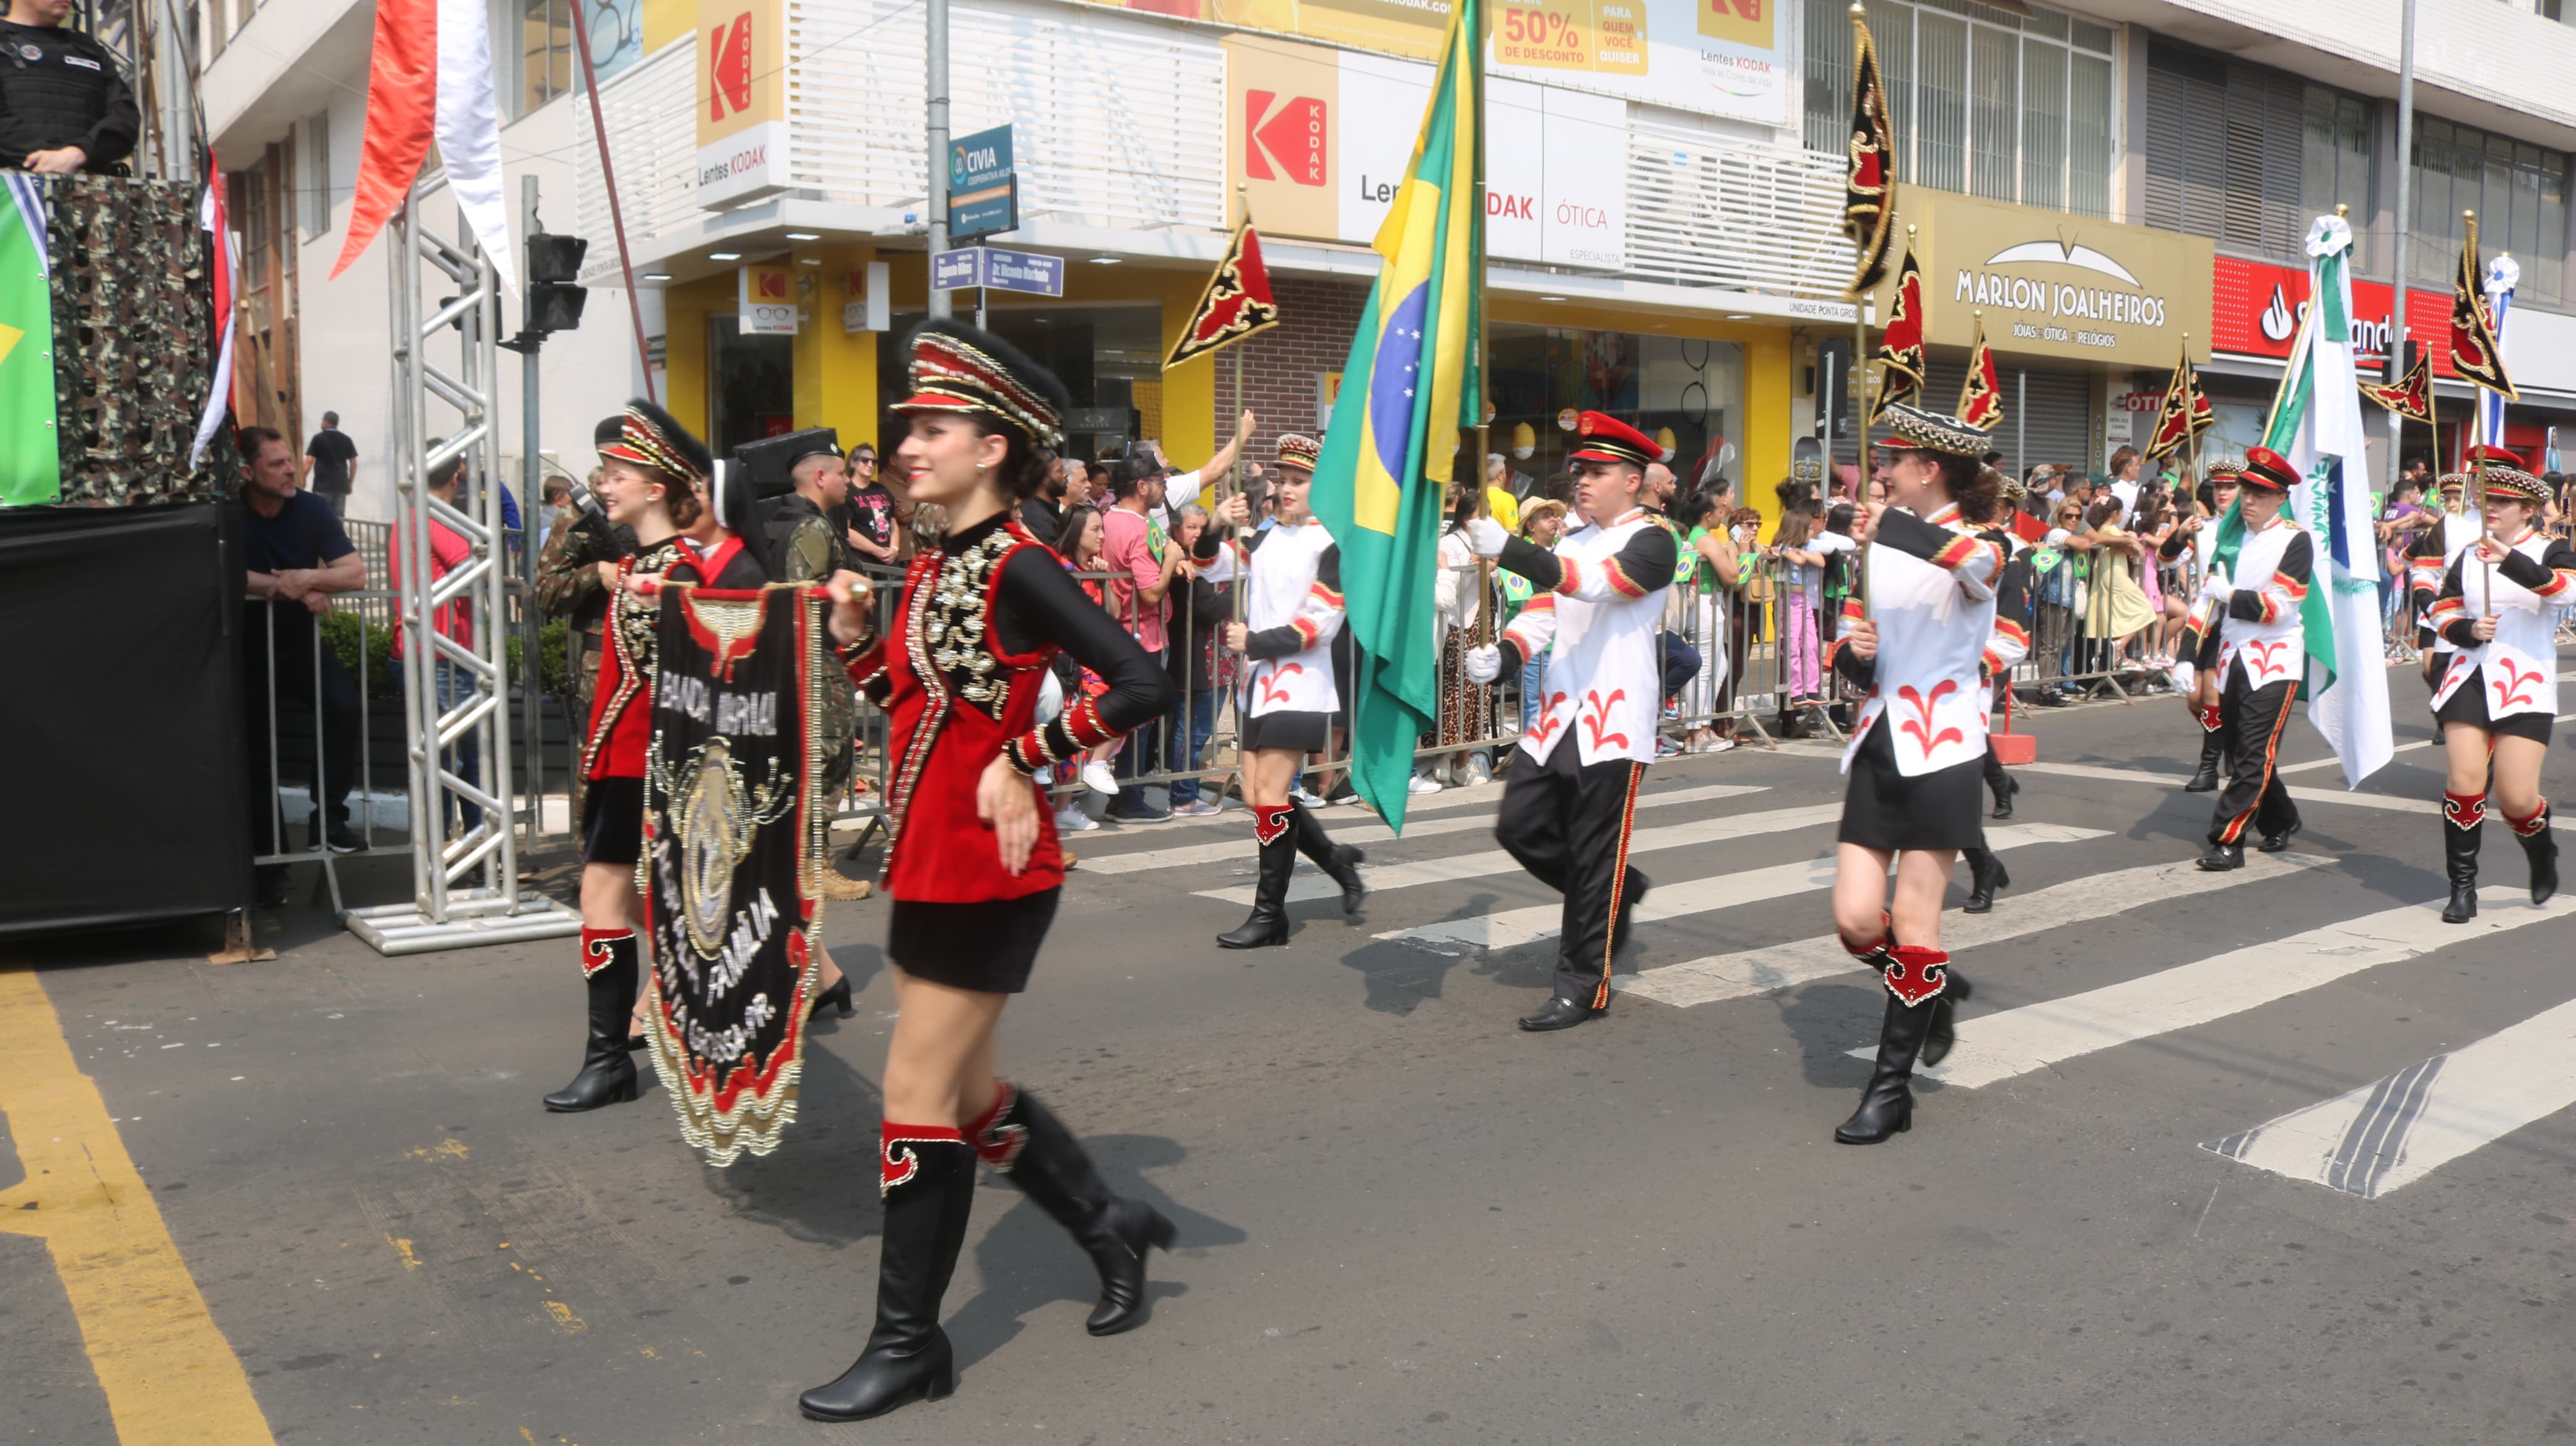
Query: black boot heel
{"x": 838, "y": 994}
{"x": 1052, "y": 1170}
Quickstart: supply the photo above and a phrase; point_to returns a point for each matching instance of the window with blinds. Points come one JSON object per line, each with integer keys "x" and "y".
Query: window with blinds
{"x": 2007, "y": 105}
{"x": 2048, "y": 415}
{"x": 2246, "y": 155}
{"x": 2519, "y": 192}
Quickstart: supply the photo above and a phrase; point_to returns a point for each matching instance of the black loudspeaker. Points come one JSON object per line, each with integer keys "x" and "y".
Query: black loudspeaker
{"x": 129, "y": 786}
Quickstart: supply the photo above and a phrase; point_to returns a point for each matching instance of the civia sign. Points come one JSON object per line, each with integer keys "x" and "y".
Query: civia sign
{"x": 2060, "y": 311}
{"x": 1285, "y": 141}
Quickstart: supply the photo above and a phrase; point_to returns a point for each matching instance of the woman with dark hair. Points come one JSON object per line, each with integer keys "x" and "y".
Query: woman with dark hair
{"x": 659, "y": 481}
{"x": 2498, "y": 609}
{"x": 971, "y": 860}
{"x": 1917, "y": 755}
{"x": 1291, "y": 576}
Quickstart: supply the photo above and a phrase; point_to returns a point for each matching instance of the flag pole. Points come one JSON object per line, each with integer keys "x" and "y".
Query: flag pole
{"x": 1484, "y": 401}
{"x": 2477, "y": 432}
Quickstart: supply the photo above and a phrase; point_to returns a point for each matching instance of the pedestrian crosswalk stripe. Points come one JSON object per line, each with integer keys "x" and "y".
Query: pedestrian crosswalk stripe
{"x": 2388, "y": 1134}
{"x": 1508, "y": 927}
{"x": 2302, "y": 795}
{"x": 1239, "y": 851}
{"x": 2014, "y": 1042}
{"x": 2059, "y": 906}
{"x": 1383, "y": 877}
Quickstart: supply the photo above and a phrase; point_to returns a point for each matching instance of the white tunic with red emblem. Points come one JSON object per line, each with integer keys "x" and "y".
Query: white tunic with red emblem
{"x": 1293, "y": 606}
{"x": 1598, "y": 625}
{"x": 1936, "y": 620}
{"x": 2274, "y": 563}
{"x": 2518, "y": 667}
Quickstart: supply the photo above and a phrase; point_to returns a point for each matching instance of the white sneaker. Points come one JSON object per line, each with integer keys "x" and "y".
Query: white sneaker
{"x": 1479, "y": 772}
{"x": 1074, "y": 820}
{"x": 1306, "y": 797}
{"x": 1097, "y": 777}
{"x": 1423, "y": 783}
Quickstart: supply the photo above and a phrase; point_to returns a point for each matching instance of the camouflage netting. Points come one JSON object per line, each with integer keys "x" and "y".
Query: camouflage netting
{"x": 133, "y": 341}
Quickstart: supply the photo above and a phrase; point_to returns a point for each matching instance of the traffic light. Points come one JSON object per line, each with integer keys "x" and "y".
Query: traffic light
{"x": 555, "y": 296}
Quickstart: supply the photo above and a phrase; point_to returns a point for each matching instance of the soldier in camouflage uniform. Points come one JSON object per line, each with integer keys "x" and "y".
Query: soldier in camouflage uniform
{"x": 573, "y": 574}
{"x": 809, "y": 549}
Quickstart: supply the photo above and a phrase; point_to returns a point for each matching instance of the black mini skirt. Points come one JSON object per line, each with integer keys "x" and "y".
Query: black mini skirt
{"x": 1884, "y": 809}
{"x": 1297, "y": 730}
{"x": 2468, "y": 704}
{"x": 612, "y": 821}
{"x": 988, "y": 947}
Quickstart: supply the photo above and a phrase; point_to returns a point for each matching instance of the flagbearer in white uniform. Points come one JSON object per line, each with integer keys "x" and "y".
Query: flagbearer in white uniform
{"x": 1567, "y": 806}
{"x": 2430, "y": 555}
{"x": 2498, "y": 608}
{"x": 1292, "y": 609}
{"x": 2246, "y": 632}
{"x": 1918, "y": 751}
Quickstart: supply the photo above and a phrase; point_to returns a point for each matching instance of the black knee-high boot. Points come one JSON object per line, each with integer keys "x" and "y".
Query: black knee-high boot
{"x": 2213, "y": 753}
{"x": 928, "y": 1180}
{"x": 2533, "y": 834}
{"x": 1340, "y": 862}
{"x": 1985, "y": 875}
{"x": 2464, "y": 817}
{"x": 1024, "y": 1139}
{"x": 1887, "y": 1101}
{"x": 608, "y": 1074}
{"x": 1276, "y": 830}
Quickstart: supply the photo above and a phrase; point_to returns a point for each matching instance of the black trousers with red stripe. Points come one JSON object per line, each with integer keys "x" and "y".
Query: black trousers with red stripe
{"x": 1568, "y": 825}
{"x": 2250, "y": 721}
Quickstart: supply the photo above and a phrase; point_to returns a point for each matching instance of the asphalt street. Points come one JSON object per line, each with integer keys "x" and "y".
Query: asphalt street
{"x": 1400, "y": 1219}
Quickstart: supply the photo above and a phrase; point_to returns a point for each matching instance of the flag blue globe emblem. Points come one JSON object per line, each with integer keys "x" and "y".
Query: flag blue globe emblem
{"x": 1392, "y": 378}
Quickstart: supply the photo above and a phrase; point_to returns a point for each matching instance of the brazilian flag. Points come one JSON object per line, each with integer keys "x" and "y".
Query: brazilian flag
{"x": 30, "y": 465}
{"x": 1412, "y": 381}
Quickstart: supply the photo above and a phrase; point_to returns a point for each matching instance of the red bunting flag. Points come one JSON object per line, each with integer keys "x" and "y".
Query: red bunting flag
{"x": 1236, "y": 304}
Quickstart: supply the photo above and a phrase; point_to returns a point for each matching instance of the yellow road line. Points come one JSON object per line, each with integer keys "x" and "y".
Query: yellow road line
{"x": 167, "y": 1372}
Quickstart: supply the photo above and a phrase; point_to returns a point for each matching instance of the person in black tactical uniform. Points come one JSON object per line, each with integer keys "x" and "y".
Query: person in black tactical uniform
{"x": 64, "y": 106}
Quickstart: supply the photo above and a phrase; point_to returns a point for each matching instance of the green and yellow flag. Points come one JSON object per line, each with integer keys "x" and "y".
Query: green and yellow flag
{"x": 30, "y": 466}
{"x": 1413, "y": 379}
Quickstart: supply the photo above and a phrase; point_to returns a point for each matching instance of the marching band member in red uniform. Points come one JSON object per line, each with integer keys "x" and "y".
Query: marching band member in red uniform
{"x": 1567, "y": 808}
{"x": 2248, "y": 636}
{"x": 1293, "y": 608}
{"x": 658, "y": 480}
{"x": 1917, "y": 756}
{"x": 972, "y": 864}
{"x": 2498, "y": 609}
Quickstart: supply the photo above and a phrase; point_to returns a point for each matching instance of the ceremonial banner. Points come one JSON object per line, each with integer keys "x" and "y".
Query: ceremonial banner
{"x": 2475, "y": 352}
{"x": 731, "y": 847}
{"x": 2186, "y": 412}
{"x": 1900, "y": 343}
{"x": 31, "y": 468}
{"x": 1981, "y": 393}
{"x": 1389, "y": 456}
{"x": 1236, "y": 303}
{"x": 2410, "y": 396}
{"x": 1869, "y": 184}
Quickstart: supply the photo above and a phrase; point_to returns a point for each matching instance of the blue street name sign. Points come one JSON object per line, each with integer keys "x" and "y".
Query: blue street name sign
{"x": 983, "y": 191}
{"x": 1032, "y": 272}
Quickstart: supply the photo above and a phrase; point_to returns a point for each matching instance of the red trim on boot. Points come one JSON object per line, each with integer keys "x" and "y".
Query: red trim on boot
{"x": 1874, "y": 954}
{"x": 896, "y": 1167}
{"x": 595, "y": 953}
{"x": 2211, "y": 719}
{"x": 998, "y": 1144}
{"x": 2530, "y": 827}
{"x": 2468, "y": 810}
{"x": 1916, "y": 974}
{"x": 1269, "y": 821}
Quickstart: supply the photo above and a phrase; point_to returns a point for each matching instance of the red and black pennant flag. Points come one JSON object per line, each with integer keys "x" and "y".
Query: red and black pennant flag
{"x": 1981, "y": 396}
{"x": 2185, "y": 413}
{"x": 1900, "y": 342}
{"x": 2410, "y": 396}
{"x": 1236, "y": 304}
{"x": 2474, "y": 352}
{"x": 1869, "y": 188}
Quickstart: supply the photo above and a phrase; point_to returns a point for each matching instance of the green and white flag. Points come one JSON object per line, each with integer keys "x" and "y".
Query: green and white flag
{"x": 31, "y": 468}
{"x": 2316, "y": 425}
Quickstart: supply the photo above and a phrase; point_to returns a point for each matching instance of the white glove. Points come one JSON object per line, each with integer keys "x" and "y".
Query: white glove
{"x": 1485, "y": 537}
{"x": 2183, "y": 675}
{"x": 1485, "y": 664}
